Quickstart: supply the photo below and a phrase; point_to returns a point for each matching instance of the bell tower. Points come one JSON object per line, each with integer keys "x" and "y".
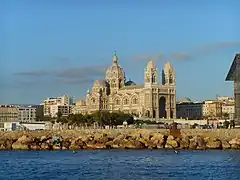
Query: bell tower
{"x": 150, "y": 75}
{"x": 168, "y": 75}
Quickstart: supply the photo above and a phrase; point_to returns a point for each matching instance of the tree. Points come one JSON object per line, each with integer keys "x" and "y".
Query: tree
{"x": 225, "y": 115}
{"x": 59, "y": 114}
{"x": 226, "y": 124}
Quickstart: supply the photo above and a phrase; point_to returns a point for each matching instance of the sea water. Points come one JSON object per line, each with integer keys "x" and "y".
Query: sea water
{"x": 119, "y": 164}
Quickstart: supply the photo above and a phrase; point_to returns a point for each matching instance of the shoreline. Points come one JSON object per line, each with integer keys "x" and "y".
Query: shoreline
{"x": 92, "y": 139}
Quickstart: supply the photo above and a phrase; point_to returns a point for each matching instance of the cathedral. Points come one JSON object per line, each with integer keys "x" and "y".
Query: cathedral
{"x": 149, "y": 100}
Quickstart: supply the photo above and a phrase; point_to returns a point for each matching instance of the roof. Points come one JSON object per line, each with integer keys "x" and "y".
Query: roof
{"x": 130, "y": 83}
{"x": 186, "y": 100}
{"x": 133, "y": 87}
{"x": 234, "y": 68}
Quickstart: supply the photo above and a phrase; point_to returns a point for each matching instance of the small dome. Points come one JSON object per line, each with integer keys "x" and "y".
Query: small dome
{"x": 100, "y": 84}
{"x": 130, "y": 83}
{"x": 186, "y": 100}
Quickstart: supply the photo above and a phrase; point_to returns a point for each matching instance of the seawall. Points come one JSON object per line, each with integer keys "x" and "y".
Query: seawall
{"x": 121, "y": 139}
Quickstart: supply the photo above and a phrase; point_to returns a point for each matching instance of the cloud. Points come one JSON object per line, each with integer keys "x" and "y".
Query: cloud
{"x": 146, "y": 57}
{"x": 181, "y": 56}
{"x": 76, "y": 75}
{"x": 202, "y": 50}
{"x": 212, "y": 48}
{"x": 33, "y": 73}
{"x": 61, "y": 59}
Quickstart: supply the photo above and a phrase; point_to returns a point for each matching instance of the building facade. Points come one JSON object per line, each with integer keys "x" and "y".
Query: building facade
{"x": 187, "y": 109}
{"x": 9, "y": 113}
{"x": 151, "y": 99}
{"x": 27, "y": 114}
{"x": 212, "y": 109}
{"x": 64, "y": 110}
{"x": 49, "y": 105}
{"x": 228, "y": 110}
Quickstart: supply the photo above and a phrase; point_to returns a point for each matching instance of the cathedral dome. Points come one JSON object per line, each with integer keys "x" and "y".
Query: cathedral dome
{"x": 130, "y": 83}
{"x": 115, "y": 70}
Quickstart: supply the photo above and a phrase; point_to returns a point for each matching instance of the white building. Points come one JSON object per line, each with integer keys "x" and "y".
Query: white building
{"x": 187, "y": 109}
{"x": 27, "y": 114}
{"x": 225, "y": 99}
{"x": 229, "y": 109}
{"x": 32, "y": 126}
{"x": 50, "y": 104}
{"x": 64, "y": 110}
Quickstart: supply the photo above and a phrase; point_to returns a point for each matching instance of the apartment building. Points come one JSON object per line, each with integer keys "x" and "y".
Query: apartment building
{"x": 27, "y": 114}
{"x": 229, "y": 110}
{"x": 9, "y": 113}
{"x": 63, "y": 110}
{"x": 63, "y": 104}
{"x": 212, "y": 109}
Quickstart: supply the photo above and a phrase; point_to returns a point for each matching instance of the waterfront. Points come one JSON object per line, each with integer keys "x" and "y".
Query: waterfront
{"x": 121, "y": 139}
{"x": 120, "y": 164}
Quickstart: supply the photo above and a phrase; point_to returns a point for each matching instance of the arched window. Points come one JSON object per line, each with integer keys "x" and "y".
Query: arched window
{"x": 125, "y": 101}
{"x": 135, "y": 100}
{"x": 93, "y": 100}
{"x": 153, "y": 78}
{"x": 117, "y": 101}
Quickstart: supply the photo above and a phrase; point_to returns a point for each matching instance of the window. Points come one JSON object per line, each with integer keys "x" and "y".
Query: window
{"x": 134, "y": 100}
{"x": 153, "y": 78}
{"x": 117, "y": 101}
{"x": 125, "y": 101}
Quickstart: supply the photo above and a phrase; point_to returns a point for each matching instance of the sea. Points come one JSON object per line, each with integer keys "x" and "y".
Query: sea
{"x": 119, "y": 165}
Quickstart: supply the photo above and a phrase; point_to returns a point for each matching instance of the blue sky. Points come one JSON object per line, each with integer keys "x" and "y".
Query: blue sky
{"x": 51, "y": 48}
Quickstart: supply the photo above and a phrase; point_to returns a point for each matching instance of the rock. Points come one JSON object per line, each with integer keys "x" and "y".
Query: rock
{"x": 192, "y": 144}
{"x": 171, "y": 144}
{"x": 150, "y": 145}
{"x": 109, "y": 145}
{"x": 66, "y": 143}
{"x": 235, "y": 143}
{"x": 56, "y": 147}
{"x": 201, "y": 144}
{"x": 46, "y": 146}
{"x": 158, "y": 144}
{"x": 25, "y": 139}
{"x": 225, "y": 145}
{"x": 20, "y": 146}
{"x": 35, "y": 146}
{"x": 133, "y": 144}
{"x": 170, "y": 137}
{"x": 45, "y": 138}
{"x": 213, "y": 143}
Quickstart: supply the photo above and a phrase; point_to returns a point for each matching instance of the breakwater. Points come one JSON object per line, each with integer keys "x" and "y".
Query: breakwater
{"x": 121, "y": 139}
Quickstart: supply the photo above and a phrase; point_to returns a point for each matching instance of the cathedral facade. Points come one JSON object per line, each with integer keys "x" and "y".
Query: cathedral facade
{"x": 149, "y": 100}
